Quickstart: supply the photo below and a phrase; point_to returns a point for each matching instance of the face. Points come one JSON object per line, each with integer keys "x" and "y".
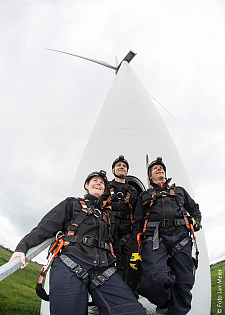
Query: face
{"x": 96, "y": 186}
{"x": 157, "y": 173}
{"x": 120, "y": 169}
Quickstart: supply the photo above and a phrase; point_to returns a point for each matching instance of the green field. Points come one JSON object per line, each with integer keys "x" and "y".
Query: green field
{"x": 18, "y": 296}
{"x": 17, "y": 292}
{"x": 218, "y": 288}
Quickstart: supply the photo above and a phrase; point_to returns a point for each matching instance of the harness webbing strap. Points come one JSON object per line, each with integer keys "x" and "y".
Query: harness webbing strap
{"x": 155, "y": 234}
{"x": 84, "y": 206}
{"x": 83, "y": 274}
{"x": 183, "y": 211}
{"x": 122, "y": 215}
{"x": 87, "y": 240}
{"x": 167, "y": 222}
{"x": 146, "y": 221}
{"x": 76, "y": 268}
{"x": 74, "y": 226}
{"x": 125, "y": 238}
{"x": 115, "y": 196}
{"x": 150, "y": 238}
{"x": 100, "y": 279}
{"x": 127, "y": 198}
{"x": 176, "y": 248}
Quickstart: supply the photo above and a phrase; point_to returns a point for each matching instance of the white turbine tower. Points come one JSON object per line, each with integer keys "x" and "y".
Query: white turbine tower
{"x": 129, "y": 124}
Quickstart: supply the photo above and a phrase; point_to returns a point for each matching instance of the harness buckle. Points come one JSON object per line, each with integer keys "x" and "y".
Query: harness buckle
{"x": 177, "y": 222}
{"x": 82, "y": 273}
{"x": 120, "y": 195}
{"x": 86, "y": 238}
{"x": 90, "y": 210}
{"x": 177, "y": 248}
{"x": 163, "y": 194}
{"x": 97, "y": 281}
{"x": 97, "y": 213}
{"x": 100, "y": 279}
{"x": 105, "y": 246}
{"x": 164, "y": 224}
{"x": 119, "y": 215}
{"x": 59, "y": 235}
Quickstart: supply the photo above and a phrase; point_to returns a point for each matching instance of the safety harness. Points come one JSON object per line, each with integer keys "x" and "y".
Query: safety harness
{"x": 120, "y": 196}
{"x": 64, "y": 240}
{"x": 88, "y": 240}
{"x": 166, "y": 223}
{"x": 120, "y": 215}
{"x": 83, "y": 274}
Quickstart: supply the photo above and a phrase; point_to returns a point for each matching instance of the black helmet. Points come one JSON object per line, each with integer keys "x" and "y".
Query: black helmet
{"x": 101, "y": 173}
{"x": 158, "y": 161}
{"x": 122, "y": 159}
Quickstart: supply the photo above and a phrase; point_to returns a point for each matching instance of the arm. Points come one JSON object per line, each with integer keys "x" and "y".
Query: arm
{"x": 50, "y": 224}
{"x": 192, "y": 208}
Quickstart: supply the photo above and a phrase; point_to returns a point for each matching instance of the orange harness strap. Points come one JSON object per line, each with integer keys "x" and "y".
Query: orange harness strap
{"x": 84, "y": 208}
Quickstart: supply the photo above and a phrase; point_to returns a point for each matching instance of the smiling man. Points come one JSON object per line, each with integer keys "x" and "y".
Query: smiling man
{"x": 123, "y": 199}
{"x": 162, "y": 219}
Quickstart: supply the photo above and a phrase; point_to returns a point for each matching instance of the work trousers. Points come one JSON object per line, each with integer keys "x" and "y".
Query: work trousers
{"x": 168, "y": 284}
{"x": 69, "y": 294}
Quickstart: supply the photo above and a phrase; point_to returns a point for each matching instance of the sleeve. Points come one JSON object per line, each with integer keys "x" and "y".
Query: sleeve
{"x": 192, "y": 207}
{"x": 49, "y": 225}
{"x": 139, "y": 215}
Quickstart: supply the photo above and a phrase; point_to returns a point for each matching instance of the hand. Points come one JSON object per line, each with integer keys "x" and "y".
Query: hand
{"x": 196, "y": 226}
{"x": 135, "y": 261}
{"x": 22, "y": 258}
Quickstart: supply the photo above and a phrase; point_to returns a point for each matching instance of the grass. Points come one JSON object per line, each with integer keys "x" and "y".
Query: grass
{"x": 18, "y": 296}
{"x": 218, "y": 288}
{"x": 17, "y": 292}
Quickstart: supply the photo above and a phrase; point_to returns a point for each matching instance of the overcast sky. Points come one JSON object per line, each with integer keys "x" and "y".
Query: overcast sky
{"x": 50, "y": 101}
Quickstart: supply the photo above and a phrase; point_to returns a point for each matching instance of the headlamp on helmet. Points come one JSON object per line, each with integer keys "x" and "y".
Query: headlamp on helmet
{"x": 158, "y": 161}
{"x": 120, "y": 159}
{"x": 101, "y": 174}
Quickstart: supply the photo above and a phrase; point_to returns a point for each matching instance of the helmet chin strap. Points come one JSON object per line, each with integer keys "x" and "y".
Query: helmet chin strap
{"x": 118, "y": 176}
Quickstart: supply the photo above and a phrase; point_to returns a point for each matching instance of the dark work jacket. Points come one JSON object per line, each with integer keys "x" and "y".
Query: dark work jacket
{"x": 124, "y": 226}
{"x": 61, "y": 217}
{"x": 163, "y": 208}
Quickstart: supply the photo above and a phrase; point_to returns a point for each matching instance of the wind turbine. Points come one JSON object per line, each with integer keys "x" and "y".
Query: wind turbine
{"x": 140, "y": 136}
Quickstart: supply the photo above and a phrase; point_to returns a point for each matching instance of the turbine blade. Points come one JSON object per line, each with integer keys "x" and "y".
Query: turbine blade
{"x": 93, "y": 60}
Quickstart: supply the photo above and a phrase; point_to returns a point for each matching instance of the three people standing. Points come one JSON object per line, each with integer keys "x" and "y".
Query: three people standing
{"x": 101, "y": 230}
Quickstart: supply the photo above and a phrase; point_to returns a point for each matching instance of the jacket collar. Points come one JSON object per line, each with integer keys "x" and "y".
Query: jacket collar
{"x": 156, "y": 186}
{"x": 114, "y": 182}
{"x": 92, "y": 199}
